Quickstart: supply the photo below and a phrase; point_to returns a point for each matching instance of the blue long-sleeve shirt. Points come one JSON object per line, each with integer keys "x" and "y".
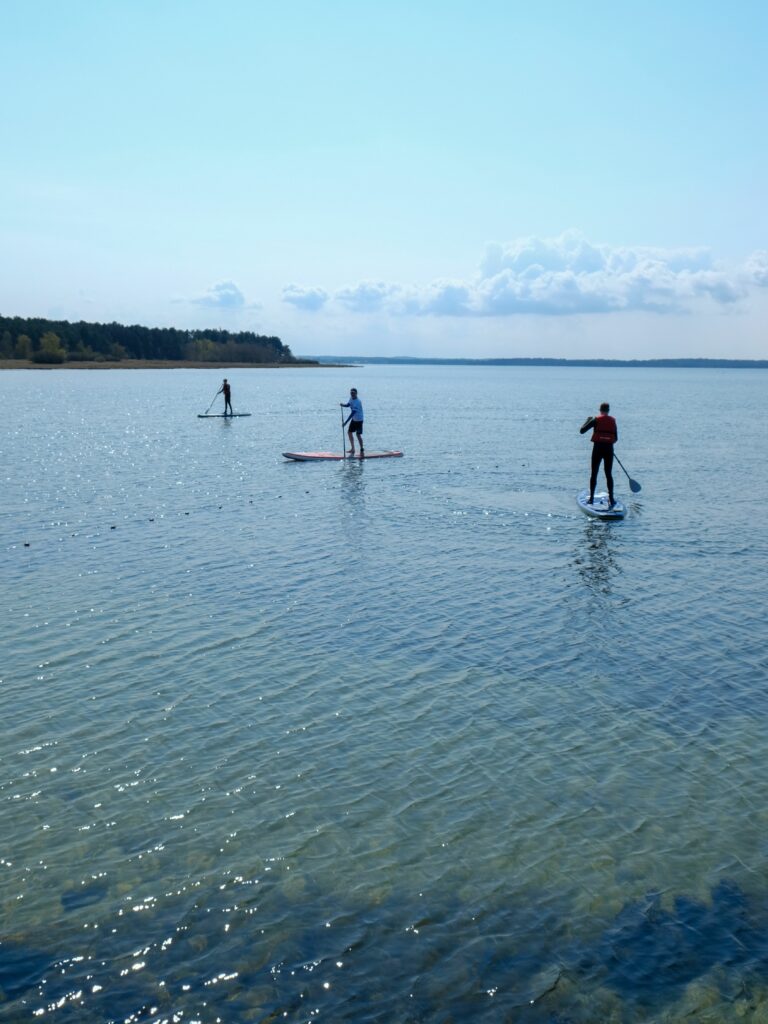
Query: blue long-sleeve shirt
{"x": 356, "y": 407}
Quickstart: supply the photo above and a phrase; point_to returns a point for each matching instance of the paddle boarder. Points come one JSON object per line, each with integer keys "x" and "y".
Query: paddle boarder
{"x": 355, "y": 421}
{"x": 604, "y": 436}
{"x": 226, "y": 390}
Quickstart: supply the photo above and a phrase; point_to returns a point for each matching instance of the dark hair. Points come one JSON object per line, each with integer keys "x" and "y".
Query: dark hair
{"x": 605, "y": 407}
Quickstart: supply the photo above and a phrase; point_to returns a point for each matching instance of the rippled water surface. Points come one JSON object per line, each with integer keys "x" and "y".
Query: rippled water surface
{"x": 402, "y": 741}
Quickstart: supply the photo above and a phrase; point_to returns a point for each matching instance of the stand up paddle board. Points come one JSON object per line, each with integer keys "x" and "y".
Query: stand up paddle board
{"x": 336, "y": 457}
{"x": 600, "y": 507}
{"x": 220, "y": 415}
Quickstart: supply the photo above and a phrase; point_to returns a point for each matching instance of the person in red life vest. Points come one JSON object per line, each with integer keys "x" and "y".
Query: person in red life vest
{"x": 604, "y": 436}
{"x": 226, "y": 390}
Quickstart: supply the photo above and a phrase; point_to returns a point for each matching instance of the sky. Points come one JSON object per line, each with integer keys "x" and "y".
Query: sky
{"x": 465, "y": 179}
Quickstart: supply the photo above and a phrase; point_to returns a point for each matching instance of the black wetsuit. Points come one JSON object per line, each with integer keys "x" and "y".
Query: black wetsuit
{"x": 602, "y": 452}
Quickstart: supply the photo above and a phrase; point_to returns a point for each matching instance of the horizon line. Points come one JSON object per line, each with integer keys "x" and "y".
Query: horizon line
{"x": 681, "y": 362}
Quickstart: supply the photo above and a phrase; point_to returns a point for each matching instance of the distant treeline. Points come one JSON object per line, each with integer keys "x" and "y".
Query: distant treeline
{"x": 716, "y": 364}
{"x": 58, "y": 341}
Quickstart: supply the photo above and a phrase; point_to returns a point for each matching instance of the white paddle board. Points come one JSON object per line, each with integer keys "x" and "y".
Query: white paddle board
{"x": 220, "y": 415}
{"x": 337, "y": 457}
{"x": 600, "y": 507}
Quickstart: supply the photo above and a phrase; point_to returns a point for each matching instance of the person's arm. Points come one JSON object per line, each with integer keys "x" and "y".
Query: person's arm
{"x": 588, "y": 424}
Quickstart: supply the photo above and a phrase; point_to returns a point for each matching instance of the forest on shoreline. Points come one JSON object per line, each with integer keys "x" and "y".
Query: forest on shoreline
{"x": 54, "y": 342}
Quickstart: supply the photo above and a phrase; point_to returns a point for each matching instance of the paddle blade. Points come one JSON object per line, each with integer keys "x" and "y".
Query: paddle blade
{"x": 634, "y": 486}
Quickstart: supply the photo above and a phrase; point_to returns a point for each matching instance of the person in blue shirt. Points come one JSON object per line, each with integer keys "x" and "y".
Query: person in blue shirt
{"x": 355, "y": 421}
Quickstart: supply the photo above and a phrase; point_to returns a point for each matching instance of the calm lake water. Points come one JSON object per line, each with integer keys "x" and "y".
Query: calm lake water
{"x": 403, "y": 741}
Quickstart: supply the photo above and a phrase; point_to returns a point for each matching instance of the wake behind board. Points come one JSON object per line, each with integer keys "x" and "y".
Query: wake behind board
{"x": 600, "y": 507}
{"x": 337, "y": 457}
{"x": 220, "y": 415}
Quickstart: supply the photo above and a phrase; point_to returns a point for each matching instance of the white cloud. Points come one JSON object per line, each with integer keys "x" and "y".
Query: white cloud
{"x": 310, "y": 299}
{"x": 441, "y": 298}
{"x": 368, "y": 296}
{"x": 564, "y": 276}
{"x": 225, "y": 295}
{"x": 568, "y": 274}
{"x": 756, "y": 268}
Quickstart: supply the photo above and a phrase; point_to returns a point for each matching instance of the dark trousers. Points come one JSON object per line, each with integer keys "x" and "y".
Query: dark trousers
{"x": 602, "y": 452}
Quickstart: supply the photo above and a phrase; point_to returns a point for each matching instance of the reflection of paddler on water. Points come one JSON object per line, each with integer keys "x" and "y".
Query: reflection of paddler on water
{"x": 596, "y": 562}
{"x": 226, "y": 390}
{"x": 604, "y": 436}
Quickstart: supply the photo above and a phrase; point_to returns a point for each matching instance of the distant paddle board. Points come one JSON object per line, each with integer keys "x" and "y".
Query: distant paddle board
{"x": 600, "y": 507}
{"x": 220, "y": 415}
{"x": 336, "y": 457}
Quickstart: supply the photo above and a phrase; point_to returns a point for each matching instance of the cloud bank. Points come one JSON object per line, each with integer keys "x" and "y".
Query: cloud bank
{"x": 225, "y": 295}
{"x": 757, "y": 268}
{"x": 560, "y": 276}
{"x": 310, "y": 299}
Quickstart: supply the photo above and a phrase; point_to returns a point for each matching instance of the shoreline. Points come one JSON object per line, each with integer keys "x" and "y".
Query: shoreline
{"x": 681, "y": 363}
{"x": 163, "y": 364}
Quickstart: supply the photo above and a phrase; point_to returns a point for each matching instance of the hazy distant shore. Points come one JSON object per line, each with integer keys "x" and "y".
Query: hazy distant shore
{"x": 160, "y": 364}
{"x": 715, "y": 364}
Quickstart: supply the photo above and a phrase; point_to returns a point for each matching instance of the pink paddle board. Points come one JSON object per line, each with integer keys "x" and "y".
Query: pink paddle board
{"x": 337, "y": 457}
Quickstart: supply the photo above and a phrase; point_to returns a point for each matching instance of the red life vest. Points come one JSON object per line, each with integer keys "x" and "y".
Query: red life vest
{"x": 605, "y": 431}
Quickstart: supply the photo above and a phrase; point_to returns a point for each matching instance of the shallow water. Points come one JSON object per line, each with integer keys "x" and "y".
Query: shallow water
{"x": 408, "y": 740}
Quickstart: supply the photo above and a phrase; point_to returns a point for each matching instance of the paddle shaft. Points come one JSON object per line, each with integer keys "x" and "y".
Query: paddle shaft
{"x": 634, "y": 486}
{"x": 214, "y": 399}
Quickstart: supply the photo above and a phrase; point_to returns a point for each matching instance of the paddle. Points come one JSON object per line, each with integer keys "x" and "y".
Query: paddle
{"x": 634, "y": 486}
{"x": 214, "y": 399}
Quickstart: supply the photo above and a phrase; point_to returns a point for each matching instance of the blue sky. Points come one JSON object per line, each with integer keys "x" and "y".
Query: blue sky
{"x": 468, "y": 179}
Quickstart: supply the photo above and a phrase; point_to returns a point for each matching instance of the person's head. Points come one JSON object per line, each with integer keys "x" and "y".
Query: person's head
{"x": 225, "y": 380}
{"x": 605, "y": 407}
{"x": 353, "y": 392}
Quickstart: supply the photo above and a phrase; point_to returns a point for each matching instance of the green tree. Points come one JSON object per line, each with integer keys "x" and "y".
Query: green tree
{"x": 6, "y": 345}
{"x": 83, "y": 353}
{"x": 51, "y": 350}
{"x": 201, "y": 350}
{"x": 23, "y": 346}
